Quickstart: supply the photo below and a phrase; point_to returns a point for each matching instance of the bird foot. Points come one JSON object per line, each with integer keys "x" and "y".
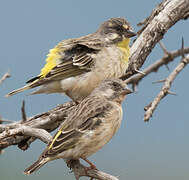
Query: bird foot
{"x": 92, "y": 166}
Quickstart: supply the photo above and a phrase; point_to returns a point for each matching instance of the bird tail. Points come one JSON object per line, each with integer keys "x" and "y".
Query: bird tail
{"x": 26, "y": 87}
{"x": 36, "y": 165}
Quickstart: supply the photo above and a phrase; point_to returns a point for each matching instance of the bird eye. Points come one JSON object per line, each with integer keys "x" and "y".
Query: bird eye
{"x": 115, "y": 84}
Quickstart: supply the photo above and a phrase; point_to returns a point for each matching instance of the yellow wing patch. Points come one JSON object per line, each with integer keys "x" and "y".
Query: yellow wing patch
{"x": 57, "y": 135}
{"x": 124, "y": 46}
{"x": 51, "y": 61}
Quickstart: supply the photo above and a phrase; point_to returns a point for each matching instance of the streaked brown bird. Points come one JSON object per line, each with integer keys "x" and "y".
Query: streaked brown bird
{"x": 88, "y": 127}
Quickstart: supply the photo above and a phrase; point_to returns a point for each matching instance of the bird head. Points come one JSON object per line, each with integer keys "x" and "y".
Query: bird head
{"x": 116, "y": 29}
{"x": 114, "y": 90}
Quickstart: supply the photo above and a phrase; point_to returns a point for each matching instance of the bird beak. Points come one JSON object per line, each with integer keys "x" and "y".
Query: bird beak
{"x": 127, "y": 91}
{"x": 130, "y": 33}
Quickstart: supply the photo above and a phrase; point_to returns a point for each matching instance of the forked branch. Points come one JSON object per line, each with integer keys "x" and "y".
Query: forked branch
{"x": 5, "y": 76}
{"x": 163, "y": 17}
{"x": 167, "y": 58}
{"x": 165, "y": 89}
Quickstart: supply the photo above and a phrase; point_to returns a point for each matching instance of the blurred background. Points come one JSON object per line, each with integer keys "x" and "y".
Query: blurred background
{"x": 155, "y": 150}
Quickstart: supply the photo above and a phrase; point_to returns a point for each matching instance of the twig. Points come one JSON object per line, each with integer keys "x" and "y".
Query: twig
{"x": 171, "y": 93}
{"x": 159, "y": 81}
{"x": 5, "y": 120}
{"x": 165, "y": 89}
{"x": 5, "y": 76}
{"x": 166, "y": 52}
{"x": 24, "y": 117}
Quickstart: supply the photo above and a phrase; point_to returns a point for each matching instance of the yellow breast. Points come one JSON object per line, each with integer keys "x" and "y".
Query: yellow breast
{"x": 124, "y": 47}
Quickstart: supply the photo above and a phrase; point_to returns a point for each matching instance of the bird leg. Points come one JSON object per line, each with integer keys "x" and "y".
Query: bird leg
{"x": 92, "y": 166}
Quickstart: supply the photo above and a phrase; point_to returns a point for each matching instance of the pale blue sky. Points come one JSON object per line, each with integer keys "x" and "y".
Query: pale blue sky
{"x": 155, "y": 150}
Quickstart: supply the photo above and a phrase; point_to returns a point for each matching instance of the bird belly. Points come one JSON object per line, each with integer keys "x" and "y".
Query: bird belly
{"x": 89, "y": 144}
{"x": 51, "y": 87}
{"x": 94, "y": 140}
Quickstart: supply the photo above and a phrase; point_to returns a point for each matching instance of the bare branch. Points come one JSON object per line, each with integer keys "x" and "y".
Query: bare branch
{"x": 48, "y": 121}
{"x": 5, "y": 120}
{"x": 42, "y": 134}
{"x": 80, "y": 170}
{"x": 140, "y": 72}
{"x": 171, "y": 93}
{"x": 5, "y": 76}
{"x": 159, "y": 81}
{"x": 163, "y": 17}
{"x": 167, "y": 58}
{"x": 24, "y": 117}
{"x": 166, "y": 52}
{"x": 165, "y": 89}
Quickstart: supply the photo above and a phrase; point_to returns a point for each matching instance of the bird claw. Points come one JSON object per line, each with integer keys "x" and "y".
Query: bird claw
{"x": 91, "y": 167}
{"x": 86, "y": 169}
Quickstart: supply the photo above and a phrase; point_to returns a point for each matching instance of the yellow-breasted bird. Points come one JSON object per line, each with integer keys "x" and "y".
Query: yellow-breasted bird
{"x": 88, "y": 127}
{"x": 76, "y": 66}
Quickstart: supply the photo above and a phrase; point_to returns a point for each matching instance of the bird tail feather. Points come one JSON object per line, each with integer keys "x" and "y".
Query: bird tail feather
{"x": 36, "y": 165}
{"x": 18, "y": 90}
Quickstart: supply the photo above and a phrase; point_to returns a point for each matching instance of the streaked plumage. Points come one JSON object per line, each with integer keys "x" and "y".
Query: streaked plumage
{"x": 76, "y": 66}
{"x": 88, "y": 127}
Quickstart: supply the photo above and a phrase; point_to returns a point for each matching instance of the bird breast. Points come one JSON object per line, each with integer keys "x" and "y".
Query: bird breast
{"x": 97, "y": 138}
{"x": 109, "y": 63}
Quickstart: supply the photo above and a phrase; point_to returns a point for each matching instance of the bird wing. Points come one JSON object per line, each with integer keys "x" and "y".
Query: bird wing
{"x": 73, "y": 62}
{"x": 86, "y": 116}
{"x": 68, "y": 59}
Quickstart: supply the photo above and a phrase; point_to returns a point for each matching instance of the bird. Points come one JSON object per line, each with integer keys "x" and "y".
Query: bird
{"x": 76, "y": 66}
{"x": 88, "y": 127}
